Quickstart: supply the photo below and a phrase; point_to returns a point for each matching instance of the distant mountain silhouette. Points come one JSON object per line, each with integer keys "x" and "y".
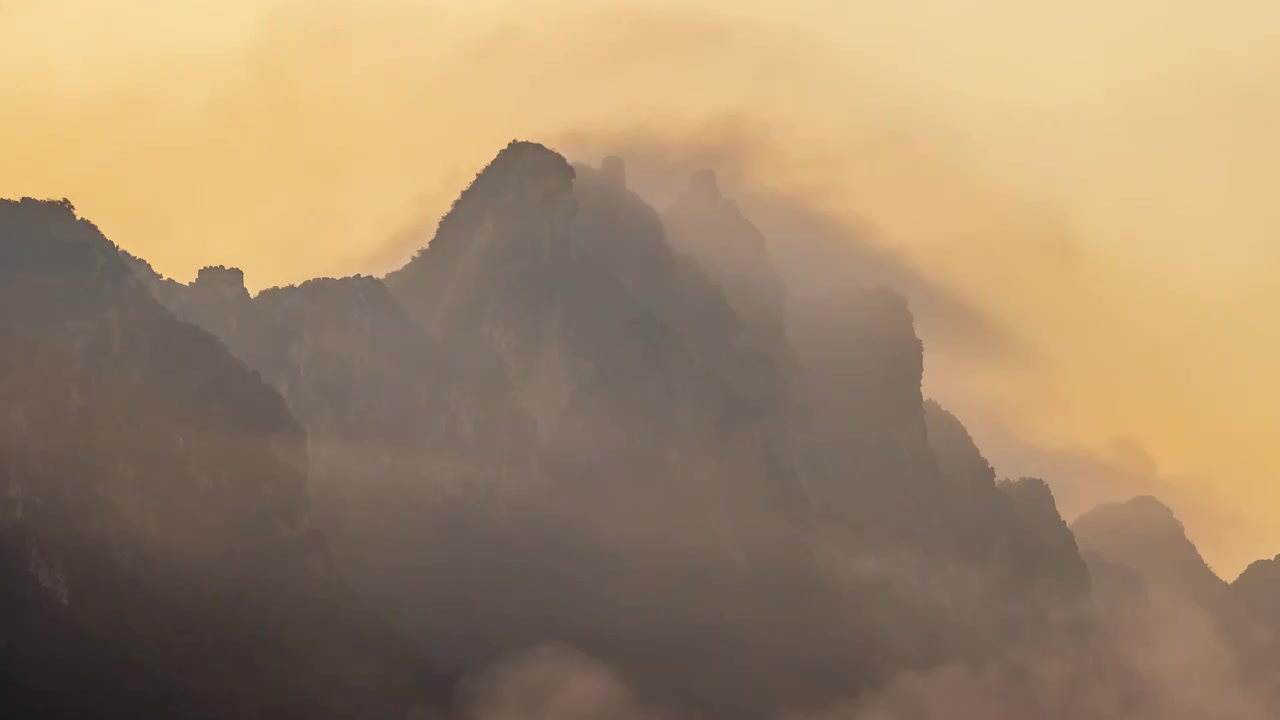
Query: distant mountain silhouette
{"x": 872, "y": 455}
{"x": 1259, "y": 588}
{"x": 1258, "y": 591}
{"x": 1197, "y": 641}
{"x": 553, "y": 384}
{"x": 1143, "y": 534}
{"x": 598, "y": 434}
{"x": 570, "y": 419}
{"x": 157, "y": 554}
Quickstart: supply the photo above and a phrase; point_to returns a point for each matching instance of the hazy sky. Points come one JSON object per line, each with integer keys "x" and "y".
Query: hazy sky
{"x": 1098, "y": 176}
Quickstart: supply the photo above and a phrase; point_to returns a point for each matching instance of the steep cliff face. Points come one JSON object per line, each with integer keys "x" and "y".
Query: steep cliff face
{"x": 885, "y": 470}
{"x": 860, "y": 370}
{"x": 156, "y": 495}
{"x": 854, "y": 364}
{"x": 877, "y": 462}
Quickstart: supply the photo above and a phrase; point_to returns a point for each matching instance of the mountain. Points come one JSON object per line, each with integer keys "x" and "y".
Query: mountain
{"x": 1143, "y": 534}
{"x": 550, "y": 314}
{"x": 769, "y": 457}
{"x": 1016, "y": 522}
{"x": 572, "y": 419}
{"x": 673, "y": 408}
{"x": 156, "y": 539}
{"x": 1179, "y": 623}
{"x": 879, "y": 461}
{"x": 1258, "y": 587}
{"x": 852, "y": 362}
{"x": 623, "y": 353}
{"x": 407, "y": 450}
{"x": 1258, "y": 591}
{"x": 665, "y": 489}
{"x": 1010, "y": 531}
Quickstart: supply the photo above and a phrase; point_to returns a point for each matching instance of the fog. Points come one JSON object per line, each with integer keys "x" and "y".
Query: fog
{"x": 586, "y": 456}
{"x": 1112, "y": 159}
{"x": 819, "y": 361}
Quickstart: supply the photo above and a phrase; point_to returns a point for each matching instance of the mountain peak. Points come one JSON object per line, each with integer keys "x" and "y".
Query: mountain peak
{"x": 1144, "y": 534}
{"x": 1258, "y": 587}
{"x": 520, "y": 161}
{"x": 222, "y": 281}
{"x": 524, "y": 175}
{"x": 1141, "y": 517}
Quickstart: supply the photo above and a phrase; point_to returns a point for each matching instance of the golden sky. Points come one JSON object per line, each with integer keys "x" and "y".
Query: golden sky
{"x": 1098, "y": 176}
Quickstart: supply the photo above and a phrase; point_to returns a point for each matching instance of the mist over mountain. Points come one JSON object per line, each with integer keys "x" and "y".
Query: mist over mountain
{"x": 158, "y": 551}
{"x": 578, "y": 456}
{"x": 1182, "y": 625}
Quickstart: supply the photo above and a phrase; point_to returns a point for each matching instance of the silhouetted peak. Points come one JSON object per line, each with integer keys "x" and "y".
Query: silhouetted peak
{"x": 518, "y": 163}
{"x": 703, "y": 185}
{"x": 1258, "y": 590}
{"x": 524, "y": 174}
{"x": 1144, "y": 534}
{"x": 31, "y": 210}
{"x": 62, "y": 209}
{"x": 1262, "y": 572}
{"x": 46, "y": 235}
{"x": 223, "y": 281}
{"x": 1143, "y": 517}
{"x": 614, "y": 171}
{"x": 1149, "y": 510}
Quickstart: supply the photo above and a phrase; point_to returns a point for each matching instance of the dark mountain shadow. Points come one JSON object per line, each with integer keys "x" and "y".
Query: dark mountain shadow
{"x": 158, "y": 554}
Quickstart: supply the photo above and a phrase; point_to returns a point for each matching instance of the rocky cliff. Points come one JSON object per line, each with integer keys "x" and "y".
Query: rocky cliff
{"x": 155, "y": 517}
